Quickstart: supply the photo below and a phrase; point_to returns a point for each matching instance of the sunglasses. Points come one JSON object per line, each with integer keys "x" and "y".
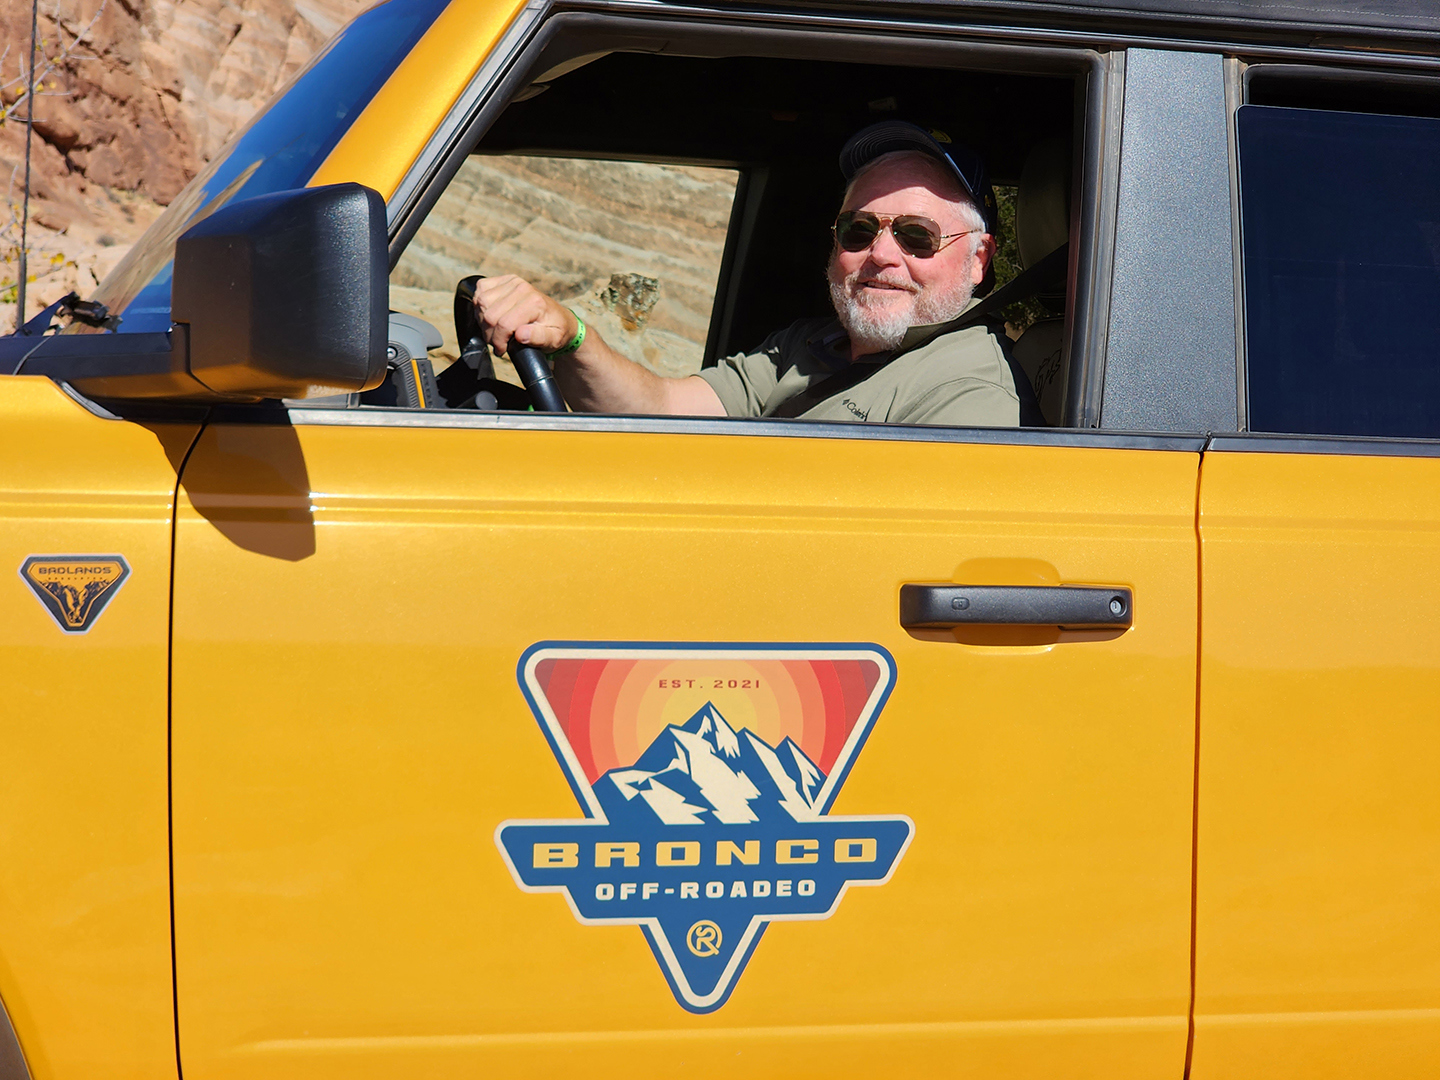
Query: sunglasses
{"x": 856, "y": 230}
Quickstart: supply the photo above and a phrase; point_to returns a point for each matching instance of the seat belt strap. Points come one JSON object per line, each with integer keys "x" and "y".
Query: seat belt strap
{"x": 1024, "y": 284}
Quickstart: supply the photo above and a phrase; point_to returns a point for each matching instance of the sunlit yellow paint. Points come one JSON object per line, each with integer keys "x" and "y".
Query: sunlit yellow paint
{"x": 1318, "y": 947}
{"x": 84, "y": 883}
{"x": 389, "y": 134}
{"x": 349, "y": 732}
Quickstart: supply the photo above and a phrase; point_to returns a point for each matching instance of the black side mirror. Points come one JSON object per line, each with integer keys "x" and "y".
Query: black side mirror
{"x": 287, "y": 294}
{"x": 280, "y": 296}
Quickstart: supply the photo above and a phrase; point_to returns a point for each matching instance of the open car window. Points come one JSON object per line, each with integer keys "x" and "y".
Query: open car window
{"x": 633, "y": 247}
{"x": 692, "y": 228}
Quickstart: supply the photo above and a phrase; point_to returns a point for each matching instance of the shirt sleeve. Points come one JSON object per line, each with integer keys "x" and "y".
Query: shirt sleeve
{"x": 745, "y": 381}
{"x": 966, "y": 403}
{"x": 783, "y": 365}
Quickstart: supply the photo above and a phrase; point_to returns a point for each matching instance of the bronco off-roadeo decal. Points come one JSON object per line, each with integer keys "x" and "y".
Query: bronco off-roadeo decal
{"x": 75, "y": 589}
{"x": 706, "y": 774}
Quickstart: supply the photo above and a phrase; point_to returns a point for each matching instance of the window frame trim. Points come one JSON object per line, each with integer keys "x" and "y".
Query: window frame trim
{"x": 1312, "y": 74}
{"x": 1236, "y": 94}
{"x": 1259, "y": 442}
{"x": 1099, "y": 87}
{"x": 1288, "y": 65}
{"x": 377, "y": 416}
{"x": 1298, "y": 442}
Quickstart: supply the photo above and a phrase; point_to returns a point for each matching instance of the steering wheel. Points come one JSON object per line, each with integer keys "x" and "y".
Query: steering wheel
{"x": 529, "y": 362}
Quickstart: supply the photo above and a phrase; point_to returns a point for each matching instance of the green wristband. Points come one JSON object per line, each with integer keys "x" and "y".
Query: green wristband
{"x": 575, "y": 342}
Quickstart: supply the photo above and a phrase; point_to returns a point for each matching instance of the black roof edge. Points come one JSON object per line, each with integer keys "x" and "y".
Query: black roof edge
{"x": 1386, "y": 26}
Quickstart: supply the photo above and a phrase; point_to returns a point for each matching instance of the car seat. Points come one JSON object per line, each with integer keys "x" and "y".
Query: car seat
{"x": 1042, "y": 224}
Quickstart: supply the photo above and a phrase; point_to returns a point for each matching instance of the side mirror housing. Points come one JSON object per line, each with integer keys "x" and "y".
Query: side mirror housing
{"x": 280, "y": 296}
{"x": 286, "y": 295}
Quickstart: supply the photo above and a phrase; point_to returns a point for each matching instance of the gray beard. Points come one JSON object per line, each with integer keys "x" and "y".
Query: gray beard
{"x": 875, "y": 332}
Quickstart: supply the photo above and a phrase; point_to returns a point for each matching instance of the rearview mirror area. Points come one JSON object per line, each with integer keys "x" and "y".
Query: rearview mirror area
{"x": 286, "y": 295}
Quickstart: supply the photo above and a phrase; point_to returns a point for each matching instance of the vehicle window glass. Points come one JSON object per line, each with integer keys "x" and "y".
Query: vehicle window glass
{"x": 280, "y": 149}
{"x": 1341, "y": 244}
{"x": 633, "y": 247}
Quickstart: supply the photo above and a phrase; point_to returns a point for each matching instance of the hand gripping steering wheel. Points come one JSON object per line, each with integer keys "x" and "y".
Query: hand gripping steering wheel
{"x": 529, "y": 362}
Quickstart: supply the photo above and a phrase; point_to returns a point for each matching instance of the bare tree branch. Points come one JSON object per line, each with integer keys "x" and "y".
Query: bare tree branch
{"x": 48, "y": 63}
{"x": 45, "y": 259}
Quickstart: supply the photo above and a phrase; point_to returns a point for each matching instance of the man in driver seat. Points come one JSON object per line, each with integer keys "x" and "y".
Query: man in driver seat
{"x": 913, "y": 240}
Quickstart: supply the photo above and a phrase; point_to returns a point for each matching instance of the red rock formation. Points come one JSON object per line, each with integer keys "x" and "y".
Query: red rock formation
{"x": 154, "y": 90}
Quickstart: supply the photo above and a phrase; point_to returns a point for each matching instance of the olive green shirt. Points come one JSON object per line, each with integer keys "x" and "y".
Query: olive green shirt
{"x": 961, "y": 377}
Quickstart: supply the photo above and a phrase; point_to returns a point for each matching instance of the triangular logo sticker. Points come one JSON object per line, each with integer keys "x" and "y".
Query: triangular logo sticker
{"x": 706, "y": 774}
{"x": 75, "y": 589}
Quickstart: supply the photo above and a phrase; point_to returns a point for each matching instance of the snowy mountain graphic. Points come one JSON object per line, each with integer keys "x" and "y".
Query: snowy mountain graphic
{"x": 712, "y": 835}
{"x": 703, "y": 772}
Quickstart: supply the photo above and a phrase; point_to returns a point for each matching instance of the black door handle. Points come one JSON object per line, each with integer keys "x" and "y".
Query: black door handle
{"x": 1073, "y": 607}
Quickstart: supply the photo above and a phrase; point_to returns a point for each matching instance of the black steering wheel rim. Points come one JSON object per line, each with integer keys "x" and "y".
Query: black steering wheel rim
{"x": 530, "y": 363}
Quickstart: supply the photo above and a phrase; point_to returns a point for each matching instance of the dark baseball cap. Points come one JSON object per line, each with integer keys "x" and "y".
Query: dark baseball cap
{"x": 889, "y": 136}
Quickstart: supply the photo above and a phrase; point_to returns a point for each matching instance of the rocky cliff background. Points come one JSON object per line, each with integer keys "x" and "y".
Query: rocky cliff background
{"x": 137, "y": 96}
{"x": 633, "y": 248}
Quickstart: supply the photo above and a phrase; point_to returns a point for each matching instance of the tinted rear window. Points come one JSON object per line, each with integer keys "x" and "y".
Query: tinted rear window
{"x": 1341, "y": 242}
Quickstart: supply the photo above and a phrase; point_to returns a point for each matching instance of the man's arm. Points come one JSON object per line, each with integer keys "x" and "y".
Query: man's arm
{"x": 594, "y": 378}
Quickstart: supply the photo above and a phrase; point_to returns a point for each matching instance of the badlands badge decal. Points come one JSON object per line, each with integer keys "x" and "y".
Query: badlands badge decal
{"x": 75, "y": 589}
{"x": 706, "y": 775}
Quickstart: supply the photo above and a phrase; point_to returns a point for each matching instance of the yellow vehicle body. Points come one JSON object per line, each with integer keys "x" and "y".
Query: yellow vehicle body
{"x": 1315, "y": 821}
{"x": 340, "y": 909}
{"x": 388, "y": 135}
{"x": 256, "y": 799}
{"x": 86, "y": 976}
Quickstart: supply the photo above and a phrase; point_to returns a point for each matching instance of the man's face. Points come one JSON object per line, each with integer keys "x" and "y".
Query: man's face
{"x": 881, "y": 292}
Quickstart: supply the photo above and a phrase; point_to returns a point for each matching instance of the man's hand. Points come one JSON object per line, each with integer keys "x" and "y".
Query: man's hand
{"x": 594, "y": 378}
{"x": 510, "y": 308}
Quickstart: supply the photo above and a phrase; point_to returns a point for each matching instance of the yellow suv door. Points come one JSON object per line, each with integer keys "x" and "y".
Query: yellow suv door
{"x": 520, "y": 744}
{"x": 1317, "y": 951}
{"x": 351, "y": 729}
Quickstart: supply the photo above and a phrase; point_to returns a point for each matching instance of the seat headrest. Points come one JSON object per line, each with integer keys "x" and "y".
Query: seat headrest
{"x": 1042, "y": 203}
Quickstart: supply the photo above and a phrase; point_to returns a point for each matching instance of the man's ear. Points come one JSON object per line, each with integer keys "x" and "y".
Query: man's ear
{"x": 984, "y": 255}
